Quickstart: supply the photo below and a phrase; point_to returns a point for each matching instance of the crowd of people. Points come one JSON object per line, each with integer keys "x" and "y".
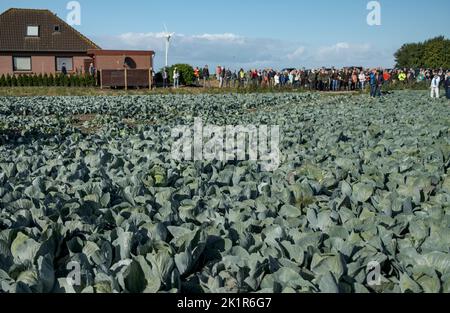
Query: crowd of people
{"x": 323, "y": 79}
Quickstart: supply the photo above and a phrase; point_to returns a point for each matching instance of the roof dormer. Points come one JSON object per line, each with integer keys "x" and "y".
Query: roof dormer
{"x": 32, "y": 31}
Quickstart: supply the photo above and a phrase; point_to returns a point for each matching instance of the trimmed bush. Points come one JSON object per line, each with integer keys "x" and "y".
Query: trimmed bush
{"x": 45, "y": 80}
{"x": 14, "y": 81}
{"x": 8, "y": 80}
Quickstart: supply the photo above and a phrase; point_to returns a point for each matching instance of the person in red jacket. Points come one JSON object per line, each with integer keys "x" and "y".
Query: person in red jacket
{"x": 197, "y": 76}
{"x": 386, "y": 76}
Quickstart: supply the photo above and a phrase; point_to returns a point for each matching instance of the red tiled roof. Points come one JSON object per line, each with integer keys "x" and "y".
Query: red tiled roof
{"x": 13, "y": 31}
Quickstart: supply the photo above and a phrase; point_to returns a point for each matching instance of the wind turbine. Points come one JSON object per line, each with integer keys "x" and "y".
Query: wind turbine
{"x": 167, "y": 36}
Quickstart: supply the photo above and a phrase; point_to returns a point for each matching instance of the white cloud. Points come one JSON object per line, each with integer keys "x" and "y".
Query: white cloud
{"x": 235, "y": 51}
{"x": 300, "y": 52}
{"x": 344, "y": 53}
{"x": 220, "y": 37}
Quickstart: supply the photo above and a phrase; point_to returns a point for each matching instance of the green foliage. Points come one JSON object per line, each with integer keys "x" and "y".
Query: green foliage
{"x": 374, "y": 187}
{"x": 47, "y": 80}
{"x": 433, "y": 53}
{"x": 437, "y": 53}
{"x": 14, "y": 82}
{"x": 8, "y": 80}
{"x": 51, "y": 80}
{"x": 65, "y": 79}
{"x": 21, "y": 80}
{"x": 40, "y": 80}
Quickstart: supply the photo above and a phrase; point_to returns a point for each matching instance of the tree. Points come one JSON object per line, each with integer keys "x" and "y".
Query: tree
{"x": 437, "y": 53}
{"x": 410, "y": 55}
{"x": 433, "y": 53}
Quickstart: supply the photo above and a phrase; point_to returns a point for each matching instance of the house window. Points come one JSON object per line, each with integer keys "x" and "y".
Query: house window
{"x": 22, "y": 64}
{"x": 67, "y": 61}
{"x": 57, "y": 28}
{"x": 33, "y": 31}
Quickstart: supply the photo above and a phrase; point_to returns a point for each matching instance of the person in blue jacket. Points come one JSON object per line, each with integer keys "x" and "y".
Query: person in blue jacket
{"x": 373, "y": 83}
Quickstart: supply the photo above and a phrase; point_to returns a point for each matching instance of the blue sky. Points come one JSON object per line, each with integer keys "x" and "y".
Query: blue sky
{"x": 254, "y": 33}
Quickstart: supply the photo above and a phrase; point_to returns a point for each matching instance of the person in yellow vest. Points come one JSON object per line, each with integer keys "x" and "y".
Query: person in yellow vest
{"x": 402, "y": 77}
{"x": 241, "y": 78}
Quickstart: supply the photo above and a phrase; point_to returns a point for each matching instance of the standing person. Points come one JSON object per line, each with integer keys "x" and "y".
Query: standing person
{"x": 421, "y": 76}
{"x": 435, "y": 86}
{"x": 205, "y": 74}
{"x": 218, "y": 71}
{"x": 197, "y": 76}
{"x": 272, "y": 77}
{"x": 447, "y": 85}
{"x": 91, "y": 69}
{"x": 362, "y": 80}
{"x": 276, "y": 80}
{"x": 241, "y": 78}
{"x": 373, "y": 83}
{"x": 334, "y": 81}
{"x": 327, "y": 81}
{"x": 402, "y": 77}
{"x": 386, "y": 76}
{"x": 344, "y": 82}
{"x": 291, "y": 78}
{"x": 354, "y": 80}
{"x": 64, "y": 69}
{"x": 234, "y": 78}
{"x": 228, "y": 76}
{"x": 165, "y": 77}
{"x": 380, "y": 82}
{"x": 320, "y": 77}
{"x": 265, "y": 78}
{"x": 221, "y": 77}
{"x": 176, "y": 78}
{"x": 312, "y": 80}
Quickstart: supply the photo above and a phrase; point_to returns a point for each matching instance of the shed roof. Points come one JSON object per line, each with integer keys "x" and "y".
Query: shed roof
{"x": 120, "y": 52}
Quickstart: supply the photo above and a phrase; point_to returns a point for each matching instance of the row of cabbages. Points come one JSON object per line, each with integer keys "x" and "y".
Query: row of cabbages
{"x": 360, "y": 202}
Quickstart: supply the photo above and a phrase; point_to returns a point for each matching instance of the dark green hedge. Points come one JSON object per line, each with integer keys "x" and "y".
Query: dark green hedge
{"x": 58, "y": 80}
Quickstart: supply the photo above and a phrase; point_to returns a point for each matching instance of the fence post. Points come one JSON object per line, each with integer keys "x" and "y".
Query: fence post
{"x": 150, "y": 79}
{"x": 126, "y": 79}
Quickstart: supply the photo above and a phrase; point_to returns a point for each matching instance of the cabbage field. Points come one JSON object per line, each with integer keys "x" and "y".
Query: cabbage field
{"x": 91, "y": 200}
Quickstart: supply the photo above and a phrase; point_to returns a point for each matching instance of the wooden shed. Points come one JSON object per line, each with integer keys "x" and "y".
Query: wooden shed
{"x": 123, "y": 68}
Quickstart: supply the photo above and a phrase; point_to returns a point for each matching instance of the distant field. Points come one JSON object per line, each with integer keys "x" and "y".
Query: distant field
{"x": 359, "y": 202}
